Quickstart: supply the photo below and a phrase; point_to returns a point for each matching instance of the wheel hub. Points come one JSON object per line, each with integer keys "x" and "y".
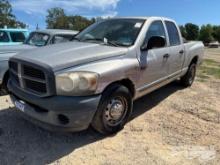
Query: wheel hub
{"x": 115, "y": 111}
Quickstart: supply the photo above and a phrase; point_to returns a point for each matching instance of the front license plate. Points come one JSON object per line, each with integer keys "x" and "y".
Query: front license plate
{"x": 20, "y": 105}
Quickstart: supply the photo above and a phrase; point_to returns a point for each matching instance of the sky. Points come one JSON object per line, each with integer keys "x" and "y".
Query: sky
{"x": 33, "y": 12}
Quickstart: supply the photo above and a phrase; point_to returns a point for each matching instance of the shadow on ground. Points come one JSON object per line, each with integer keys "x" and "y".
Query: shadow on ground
{"x": 23, "y": 143}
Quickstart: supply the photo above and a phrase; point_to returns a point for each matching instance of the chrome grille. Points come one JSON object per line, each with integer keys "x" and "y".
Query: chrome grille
{"x": 30, "y": 78}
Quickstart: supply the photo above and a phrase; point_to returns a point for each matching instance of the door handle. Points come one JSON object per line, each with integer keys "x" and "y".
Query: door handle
{"x": 181, "y": 51}
{"x": 166, "y": 56}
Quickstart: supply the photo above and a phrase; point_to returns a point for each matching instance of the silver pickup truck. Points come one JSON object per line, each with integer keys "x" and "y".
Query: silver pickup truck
{"x": 95, "y": 79}
{"x": 36, "y": 39}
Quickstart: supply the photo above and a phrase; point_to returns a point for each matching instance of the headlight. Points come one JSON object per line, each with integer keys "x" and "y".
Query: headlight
{"x": 76, "y": 83}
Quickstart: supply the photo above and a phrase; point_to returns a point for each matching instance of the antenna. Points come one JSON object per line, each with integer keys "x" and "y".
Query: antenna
{"x": 37, "y": 27}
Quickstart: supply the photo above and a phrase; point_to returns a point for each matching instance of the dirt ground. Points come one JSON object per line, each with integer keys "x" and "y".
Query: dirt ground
{"x": 172, "y": 125}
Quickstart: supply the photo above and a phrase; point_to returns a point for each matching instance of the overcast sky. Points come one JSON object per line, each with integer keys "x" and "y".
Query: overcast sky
{"x": 33, "y": 12}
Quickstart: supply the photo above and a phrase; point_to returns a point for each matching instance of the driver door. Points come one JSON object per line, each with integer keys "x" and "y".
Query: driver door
{"x": 157, "y": 59}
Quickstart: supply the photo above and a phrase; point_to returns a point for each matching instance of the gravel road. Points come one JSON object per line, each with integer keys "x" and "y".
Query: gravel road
{"x": 169, "y": 126}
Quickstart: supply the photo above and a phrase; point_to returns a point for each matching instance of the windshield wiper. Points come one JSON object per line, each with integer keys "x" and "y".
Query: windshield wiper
{"x": 112, "y": 43}
{"x": 104, "y": 41}
{"x": 93, "y": 39}
{"x": 75, "y": 39}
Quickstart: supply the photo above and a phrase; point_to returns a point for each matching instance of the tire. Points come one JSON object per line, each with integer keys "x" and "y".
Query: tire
{"x": 4, "y": 89}
{"x": 188, "y": 79}
{"x": 114, "y": 110}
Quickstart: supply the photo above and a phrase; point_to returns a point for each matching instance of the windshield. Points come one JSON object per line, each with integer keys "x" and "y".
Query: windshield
{"x": 120, "y": 32}
{"x": 37, "y": 39}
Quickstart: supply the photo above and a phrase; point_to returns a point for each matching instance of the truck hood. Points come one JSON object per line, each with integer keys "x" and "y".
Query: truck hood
{"x": 65, "y": 55}
{"x": 8, "y": 51}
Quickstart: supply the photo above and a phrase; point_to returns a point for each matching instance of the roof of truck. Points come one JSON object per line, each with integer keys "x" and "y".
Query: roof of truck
{"x": 142, "y": 17}
{"x": 57, "y": 31}
{"x": 131, "y": 17}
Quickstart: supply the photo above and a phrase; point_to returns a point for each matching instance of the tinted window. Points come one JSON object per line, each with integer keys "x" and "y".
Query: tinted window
{"x": 62, "y": 38}
{"x": 173, "y": 33}
{"x": 3, "y": 37}
{"x": 155, "y": 29}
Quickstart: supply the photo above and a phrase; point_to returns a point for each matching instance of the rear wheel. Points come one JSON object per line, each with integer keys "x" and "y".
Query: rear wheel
{"x": 114, "y": 110}
{"x": 188, "y": 79}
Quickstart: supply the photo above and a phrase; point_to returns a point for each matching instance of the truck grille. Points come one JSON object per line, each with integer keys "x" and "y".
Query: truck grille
{"x": 30, "y": 78}
{"x": 32, "y": 72}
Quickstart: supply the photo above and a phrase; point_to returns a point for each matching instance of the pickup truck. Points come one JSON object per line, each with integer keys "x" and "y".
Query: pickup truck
{"x": 95, "y": 79}
{"x": 36, "y": 39}
{"x": 13, "y": 36}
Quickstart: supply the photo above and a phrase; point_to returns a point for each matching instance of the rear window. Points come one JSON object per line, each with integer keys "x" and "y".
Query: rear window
{"x": 3, "y": 37}
{"x": 173, "y": 33}
{"x": 17, "y": 36}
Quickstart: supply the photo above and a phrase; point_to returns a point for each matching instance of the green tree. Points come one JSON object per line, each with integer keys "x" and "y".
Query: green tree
{"x": 216, "y": 33}
{"x": 183, "y": 31}
{"x": 6, "y": 16}
{"x": 206, "y": 33}
{"x": 57, "y": 19}
{"x": 79, "y": 23}
{"x": 192, "y": 31}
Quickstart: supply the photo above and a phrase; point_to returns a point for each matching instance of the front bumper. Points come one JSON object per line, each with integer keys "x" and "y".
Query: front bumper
{"x": 56, "y": 113}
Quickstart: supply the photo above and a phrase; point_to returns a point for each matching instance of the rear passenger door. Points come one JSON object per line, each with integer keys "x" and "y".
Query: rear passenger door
{"x": 176, "y": 58}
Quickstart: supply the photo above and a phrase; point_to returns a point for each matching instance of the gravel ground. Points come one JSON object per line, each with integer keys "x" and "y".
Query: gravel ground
{"x": 169, "y": 126}
{"x": 213, "y": 54}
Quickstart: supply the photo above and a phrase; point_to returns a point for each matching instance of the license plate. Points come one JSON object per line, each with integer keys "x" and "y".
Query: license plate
{"x": 20, "y": 105}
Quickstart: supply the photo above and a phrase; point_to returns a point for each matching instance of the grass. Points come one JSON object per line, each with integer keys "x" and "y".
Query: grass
{"x": 209, "y": 68}
{"x": 211, "y": 62}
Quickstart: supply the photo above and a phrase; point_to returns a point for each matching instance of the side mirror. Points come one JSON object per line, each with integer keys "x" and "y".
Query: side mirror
{"x": 154, "y": 42}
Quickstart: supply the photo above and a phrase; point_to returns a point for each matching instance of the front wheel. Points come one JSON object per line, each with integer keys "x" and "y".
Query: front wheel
{"x": 188, "y": 79}
{"x": 4, "y": 89}
{"x": 114, "y": 110}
